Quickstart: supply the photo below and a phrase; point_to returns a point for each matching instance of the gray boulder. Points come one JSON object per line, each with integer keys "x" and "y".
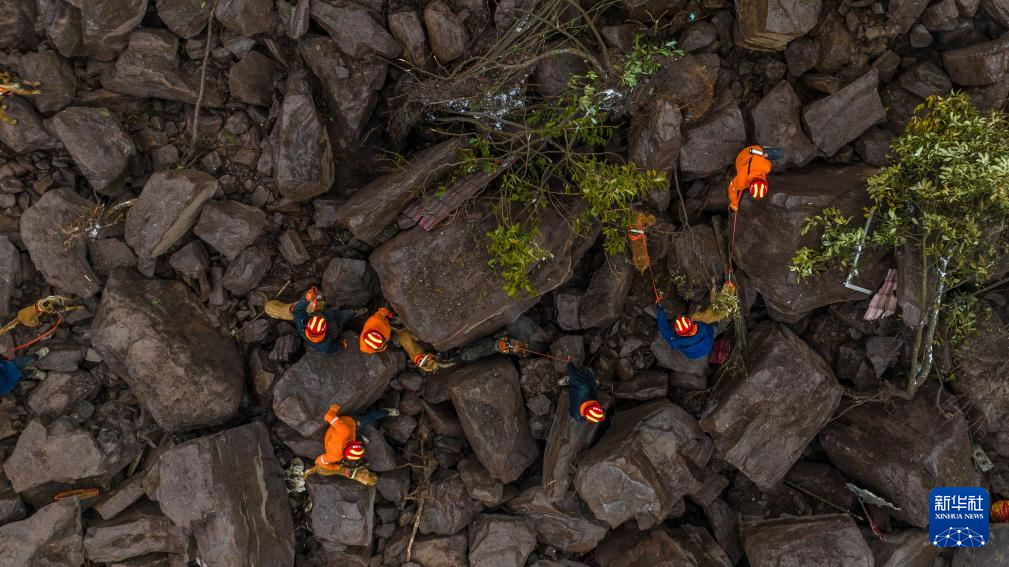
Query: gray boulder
{"x": 488, "y": 399}
{"x": 449, "y": 507}
{"x": 252, "y": 80}
{"x": 560, "y": 522}
{"x": 354, "y": 28}
{"x": 56, "y": 74}
{"x": 496, "y": 540}
{"x": 185, "y": 18}
{"x": 245, "y": 17}
{"x": 51, "y": 537}
{"x": 813, "y": 541}
{"x": 437, "y": 551}
{"x": 349, "y": 282}
{"x": 651, "y": 456}
{"x": 770, "y": 231}
{"x": 228, "y": 490}
{"x": 157, "y": 336}
{"x": 712, "y": 143}
{"x": 167, "y": 208}
{"x": 17, "y": 23}
{"x": 97, "y": 142}
{"x": 343, "y": 510}
{"x": 140, "y": 530}
{"x": 303, "y": 159}
{"x": 428, "y": 276}
{"x": 352, "y": 379}
{"x": 777, "y": 123}
{"x": 768, "y": 25}
{"x": 902, "y": 452}
{"x": 686, "y": 545}
{"x": 107, "y": 25}
{"x": 28, "y": 133}
{"x": 446, "y": 31}
{"x": 65, "y": 268}
{"x": 840, "y": 118}
{"x": 761, "y": 425}
{"x": 978, "y": 64}
{"x": 230, "y": 226}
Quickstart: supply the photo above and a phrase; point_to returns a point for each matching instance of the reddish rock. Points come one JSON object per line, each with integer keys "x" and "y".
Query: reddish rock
{"x": 813, "y": 541}
{"x": 686, "y": 545}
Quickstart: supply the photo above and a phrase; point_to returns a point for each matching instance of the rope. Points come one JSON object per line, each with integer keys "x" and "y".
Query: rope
{"x": 655, "y": 287}
{"x": 872, "y": 523}
{"x": 544, "y": 355}
{"x": 41, "y": 337}
{"x": 732, "y": 241}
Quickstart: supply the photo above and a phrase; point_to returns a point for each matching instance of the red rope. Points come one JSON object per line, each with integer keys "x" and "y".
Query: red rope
{"x": 732, "y": 241}
{"x": 872, "y": 523}
{"x": 43, "y": 336}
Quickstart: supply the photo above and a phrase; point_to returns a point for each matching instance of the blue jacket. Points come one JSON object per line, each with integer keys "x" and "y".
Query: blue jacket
{"x": 10, "y": 375}
{"x": 335, "y": 320}
{"x": 582, "y": 387}
{"x": 697, "y": 346}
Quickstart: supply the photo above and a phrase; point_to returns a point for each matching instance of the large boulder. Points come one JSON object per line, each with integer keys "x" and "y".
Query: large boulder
{"x": 17, "y": 23}
{"x": 157, "y": 336}
{"x": 770, "y": 231}
{"x": 438, "y": 551}
{"x": 983, "y": 378}
{"x": 98, "y": 143}
{"x": 902, "y": 14}
{"x": 368, "y": 212}
{"x": 228, "y": 491}
{"x": 229, "y": 226}
{"x": 840, "y": 118}
{"x": 978, "y": 64}
{"x": 654, "y": 138}
{"x": 355, "y": 29}
{"x": 812, "y": 541}
{"x": 351, "y": 378}
{"x": 496, "y": 540}
{"x": 245, "y": 17}
{"x": 449, "y": 507}
{"x": 50, "y": 458}
{"x": 64, "y": 267}
{"x": 408, "y": 30}
{"x": 768, "y": 25}
{"x": 166, "y": 209}
{"x": 252, "y": 79}
{"x": 446, "y": 31}
{"x": 149, "y": 68}
{"x": 488, "y": 398}
{"x": 439, "y": 282}
{"x": 51, "y": 537}
{"x": 107, "y": 25}
{"x": 901, "y": 452}
{"x": 56, "y": 74}
{"x": 136, "y": 532}
{"x": 713, "y": 143}
{"x": 349, "y": 282}
{"x": 777, "y": 123}
{"x": 302, "y": 157}
{"x": 343, "y": 510}
{"x": 350, "y": 87}
{"x": 560, "y": 522}
{"x": 185, "y": 18}
{"x": 602, "y": 302}
{"x": 686, "y": 545}
{"x": 651, "y": 456}
{"x": 763, "y": 423}
{"x": 27, "y": 133}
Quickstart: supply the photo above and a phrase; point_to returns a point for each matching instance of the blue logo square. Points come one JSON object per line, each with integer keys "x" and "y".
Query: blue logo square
{"x": 958, "y": 516}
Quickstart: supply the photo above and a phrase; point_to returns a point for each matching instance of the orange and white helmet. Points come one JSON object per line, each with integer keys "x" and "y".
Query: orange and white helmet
{"x": 353, "y": 450}
{"x": 374, "y": 340}
{"x": 592, "y": 411}
{"x": 684, "y": 326}
{"x": 315, "y": 330}
{"x": 758, "y": 188}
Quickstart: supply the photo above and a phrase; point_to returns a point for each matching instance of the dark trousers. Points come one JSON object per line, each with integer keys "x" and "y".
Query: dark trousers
{"x": 370, "y": 417}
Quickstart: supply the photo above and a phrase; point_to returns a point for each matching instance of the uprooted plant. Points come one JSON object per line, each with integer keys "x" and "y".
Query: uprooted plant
{"x": 945, "y": 200}
{"x": 553, "y": 147}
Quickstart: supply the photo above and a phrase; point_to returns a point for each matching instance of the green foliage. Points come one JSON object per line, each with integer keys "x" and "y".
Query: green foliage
{"x": 961, "y": 318}
{"x": 514, "y": 252}
{"x": 837, "y": 244}
{"x": 641, "y": 59}
{"x": 610, "y": 190}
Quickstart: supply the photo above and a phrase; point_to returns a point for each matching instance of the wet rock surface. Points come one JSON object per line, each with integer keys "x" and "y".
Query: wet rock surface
{"x": 238, "y": 513}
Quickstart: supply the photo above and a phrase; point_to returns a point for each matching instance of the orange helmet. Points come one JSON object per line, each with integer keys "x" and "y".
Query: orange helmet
{"x": 684, "y": 326}
{"x": 315, "y": 331}
{"x": 353, "y": 450}
{"x": 592, "y": 411}
{"x": 758, "y": 189}
{"x": 374, "y": 340}
{"x": 1000, "y": 511}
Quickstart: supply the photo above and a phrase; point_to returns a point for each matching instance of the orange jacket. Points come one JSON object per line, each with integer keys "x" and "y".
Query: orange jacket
{"x": 749, "y": 167}
{"x": 342, "y": 430}
{"x": 379, "y": 322}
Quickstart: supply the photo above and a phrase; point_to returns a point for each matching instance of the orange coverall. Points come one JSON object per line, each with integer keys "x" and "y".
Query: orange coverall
{"x": 377, "y": 322}
{"x": 342, "y": 430}
{"x": 749, "y": 167}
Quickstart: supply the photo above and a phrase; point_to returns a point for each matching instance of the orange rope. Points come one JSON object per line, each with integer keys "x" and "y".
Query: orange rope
{"x": 43, "y": 336}
{"x": 732, "y": 241}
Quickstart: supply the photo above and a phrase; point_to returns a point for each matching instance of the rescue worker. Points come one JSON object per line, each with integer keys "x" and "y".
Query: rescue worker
{"x": 343, "y": 450}
{"x": 31, "y": 316}
{"x": 320, "y": 328}
{"x": 753, "y": 164}
{"x": 422, "y": 359}
{"x": 376, "y": 332}
{"x": 690, "y": 337}
{"x": 489, "y": 346}
{"x": 11, "y": 370}
{"x": 583, "y": 396}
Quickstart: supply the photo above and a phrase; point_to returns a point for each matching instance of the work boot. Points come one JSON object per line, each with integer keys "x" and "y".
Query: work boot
{"x": 393, "y": 412}
{"x": 563, "y": 381}
{"x": 42, "y": 352}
